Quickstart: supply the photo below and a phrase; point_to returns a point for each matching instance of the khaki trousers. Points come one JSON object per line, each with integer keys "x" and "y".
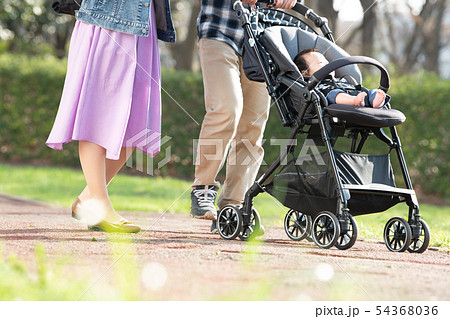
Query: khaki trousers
{"x": 236, "y": 113}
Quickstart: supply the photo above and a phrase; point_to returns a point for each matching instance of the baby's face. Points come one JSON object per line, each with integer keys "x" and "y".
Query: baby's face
{"x": 315, "y": 61}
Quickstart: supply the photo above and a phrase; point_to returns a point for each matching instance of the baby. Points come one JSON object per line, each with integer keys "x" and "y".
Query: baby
{"x": 337, "y": 91}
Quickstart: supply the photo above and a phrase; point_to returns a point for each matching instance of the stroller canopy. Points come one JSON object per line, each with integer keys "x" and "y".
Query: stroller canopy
{"x": 284, "y": 43}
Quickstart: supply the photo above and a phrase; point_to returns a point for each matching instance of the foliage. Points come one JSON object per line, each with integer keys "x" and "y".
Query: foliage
{"x": 425, "y": 100}
{"x": 32, "y": 27}
{"x": 31, "y": 90}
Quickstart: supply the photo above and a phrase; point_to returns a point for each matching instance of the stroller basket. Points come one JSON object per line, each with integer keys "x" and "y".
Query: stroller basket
{"x": 306, "y": 183}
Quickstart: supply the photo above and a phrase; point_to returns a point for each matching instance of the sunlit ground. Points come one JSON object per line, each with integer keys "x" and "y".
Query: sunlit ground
{"x": 60, "y": 186}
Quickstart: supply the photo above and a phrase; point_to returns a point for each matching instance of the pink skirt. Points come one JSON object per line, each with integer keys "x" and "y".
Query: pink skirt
{"x": 112, "y": 91}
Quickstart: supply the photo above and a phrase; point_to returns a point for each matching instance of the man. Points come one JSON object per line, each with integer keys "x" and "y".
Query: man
{"x": 236, "y": 111}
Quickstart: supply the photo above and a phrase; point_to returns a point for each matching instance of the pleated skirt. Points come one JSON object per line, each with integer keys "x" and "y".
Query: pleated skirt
{"x": 112, "y": 91}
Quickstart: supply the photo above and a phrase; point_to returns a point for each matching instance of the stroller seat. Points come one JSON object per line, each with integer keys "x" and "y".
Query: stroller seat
{"x": 284, "y": 43}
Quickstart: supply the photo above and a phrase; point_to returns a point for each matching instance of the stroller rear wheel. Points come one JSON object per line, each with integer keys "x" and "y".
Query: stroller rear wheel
{"x": 348, "y": 238}
{"x": 297, "y": 225}
{"x": 397, "y": 234}
{"x": 325, "y": 230}
{"x": 420, "y": 244}
{"x": 254, "y": 229}
{"x": 229, "y": 222}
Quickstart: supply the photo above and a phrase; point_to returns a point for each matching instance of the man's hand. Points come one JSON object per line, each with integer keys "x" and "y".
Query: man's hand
{"x": 285, "y": 4}
{"x": 279, "y": 4}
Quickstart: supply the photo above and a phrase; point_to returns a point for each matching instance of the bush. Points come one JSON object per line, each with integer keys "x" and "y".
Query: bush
{"x": 31, "y": 90}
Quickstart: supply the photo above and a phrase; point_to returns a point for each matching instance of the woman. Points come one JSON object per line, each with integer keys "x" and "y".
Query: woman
{"x": 111, "y": 96}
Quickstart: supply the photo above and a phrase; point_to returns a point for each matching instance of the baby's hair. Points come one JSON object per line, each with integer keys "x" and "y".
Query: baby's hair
{"x": 300, "y": 61}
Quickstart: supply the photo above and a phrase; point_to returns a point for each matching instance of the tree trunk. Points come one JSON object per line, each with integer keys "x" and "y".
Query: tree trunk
{"x": 324, "y": 9}
{"x": 432, "y": 37}
{"x": 184, "y": 51}
{"x": 425, "y": 39}
{"x": 369, "y": 26}
{"x": 61, "y": 37}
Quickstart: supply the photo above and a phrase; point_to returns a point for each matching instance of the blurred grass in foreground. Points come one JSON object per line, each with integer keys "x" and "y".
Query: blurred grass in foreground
{"x": 60, "y": 186}
{"x": 61, "y": 277}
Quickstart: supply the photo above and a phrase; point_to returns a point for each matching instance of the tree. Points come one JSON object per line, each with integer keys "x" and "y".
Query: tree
{"x": 368, "y": 26}
{"x": 28, "y": 26}
{"x": 185, "y": 18}
{"x": 422, "y": 36}
{"x": 324, "y": 9}
{"x": 365, "y": 31}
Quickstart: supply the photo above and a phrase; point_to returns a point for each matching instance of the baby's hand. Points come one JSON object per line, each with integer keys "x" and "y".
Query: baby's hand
{"x": 359, "y": 99}
{"x": 250, "y": 2}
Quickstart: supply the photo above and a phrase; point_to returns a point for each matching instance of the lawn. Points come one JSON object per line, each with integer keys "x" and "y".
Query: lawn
{"x": 60, "y": 186}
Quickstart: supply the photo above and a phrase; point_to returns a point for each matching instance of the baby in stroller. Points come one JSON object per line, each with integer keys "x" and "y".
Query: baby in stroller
{"x": 337, "y": 91}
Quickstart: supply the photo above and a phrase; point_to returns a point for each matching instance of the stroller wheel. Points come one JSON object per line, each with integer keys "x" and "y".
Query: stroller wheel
{"x": 420, "y": 243}
{"x": 229, "y": 222}
{"x": 348, "y": 238}
{"x": 254, "y": 229}
{"x": 325, "y": 230}
{"x": 397, "y": 234}
{"x": 297, "y": 225}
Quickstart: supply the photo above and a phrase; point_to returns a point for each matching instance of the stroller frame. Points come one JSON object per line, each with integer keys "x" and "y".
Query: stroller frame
{"x": 327, "y": 229}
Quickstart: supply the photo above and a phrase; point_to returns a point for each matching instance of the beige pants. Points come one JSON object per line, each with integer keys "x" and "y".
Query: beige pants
{"x": 236, "y": 114}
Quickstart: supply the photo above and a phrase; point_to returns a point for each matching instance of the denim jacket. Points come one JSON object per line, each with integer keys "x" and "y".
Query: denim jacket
{"x": 128, "y": 16}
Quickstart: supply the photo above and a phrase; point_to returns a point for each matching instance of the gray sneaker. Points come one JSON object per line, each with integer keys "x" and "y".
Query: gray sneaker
{"x": 202, "y": 202}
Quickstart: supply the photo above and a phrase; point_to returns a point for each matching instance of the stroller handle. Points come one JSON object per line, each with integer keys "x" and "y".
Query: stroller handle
{"x": 319, "y": 75}
{"x": 319, "y": 22}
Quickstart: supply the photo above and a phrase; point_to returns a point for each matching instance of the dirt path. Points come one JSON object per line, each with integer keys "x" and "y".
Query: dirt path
{"x": 201, "y": 266}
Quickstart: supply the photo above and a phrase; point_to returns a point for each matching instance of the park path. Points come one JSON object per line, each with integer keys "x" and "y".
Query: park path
{"x": 198, "y": 265}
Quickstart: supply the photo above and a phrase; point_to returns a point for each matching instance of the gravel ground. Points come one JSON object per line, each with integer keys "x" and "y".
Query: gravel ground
{"x": 176, "y": 258}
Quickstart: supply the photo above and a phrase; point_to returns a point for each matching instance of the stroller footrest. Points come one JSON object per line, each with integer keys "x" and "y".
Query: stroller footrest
{"x": 366, "y": 116}
{"x": 379, "y": 188}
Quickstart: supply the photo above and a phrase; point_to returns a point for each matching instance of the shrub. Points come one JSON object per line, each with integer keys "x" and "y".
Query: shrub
{"x": 31, "y": 90}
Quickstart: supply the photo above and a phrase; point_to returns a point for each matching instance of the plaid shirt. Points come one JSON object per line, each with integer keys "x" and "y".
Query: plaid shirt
{"x": 218, "y": 21}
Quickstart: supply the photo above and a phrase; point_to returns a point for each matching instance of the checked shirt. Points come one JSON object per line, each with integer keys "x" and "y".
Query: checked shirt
{"x": 218, "y": 21}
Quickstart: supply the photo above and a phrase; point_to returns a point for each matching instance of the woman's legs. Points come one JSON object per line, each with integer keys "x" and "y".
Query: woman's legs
{"x": 98, "y": 172}
{"x": 112, "y": 167}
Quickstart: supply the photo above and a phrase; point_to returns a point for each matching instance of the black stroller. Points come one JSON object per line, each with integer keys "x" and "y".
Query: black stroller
{"x": 324, "y": 191}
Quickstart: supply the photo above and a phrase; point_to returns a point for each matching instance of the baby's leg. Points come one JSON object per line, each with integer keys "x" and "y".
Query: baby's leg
{"x": 376, "y": 98}
{"x": 338, "y": 96}
{"x": 331, "y": 96}
{"x": 359, "y": 99}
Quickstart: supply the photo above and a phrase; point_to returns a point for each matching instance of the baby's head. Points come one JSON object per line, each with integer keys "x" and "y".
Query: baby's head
{"x": 309, "y": 61}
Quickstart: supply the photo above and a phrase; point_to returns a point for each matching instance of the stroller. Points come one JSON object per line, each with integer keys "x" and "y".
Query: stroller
{"x": 324, "y": 191}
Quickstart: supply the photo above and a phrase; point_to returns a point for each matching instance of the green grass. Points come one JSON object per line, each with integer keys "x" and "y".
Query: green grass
{"x": 60, "y": 186}
{"x": 46, "y": 277}
{"x": 20, "y": 283}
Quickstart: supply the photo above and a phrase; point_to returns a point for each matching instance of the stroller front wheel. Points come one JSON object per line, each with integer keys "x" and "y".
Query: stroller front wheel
{"x": 297, "y": 225}
{"x": 397, "y": 234}
{"x": 326, "y": 230}
{"x": 254, "y": 229}
{"x": 420, "y": 243}
{"x": 348, "y": 238}
{"x": 229, "y": 222}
